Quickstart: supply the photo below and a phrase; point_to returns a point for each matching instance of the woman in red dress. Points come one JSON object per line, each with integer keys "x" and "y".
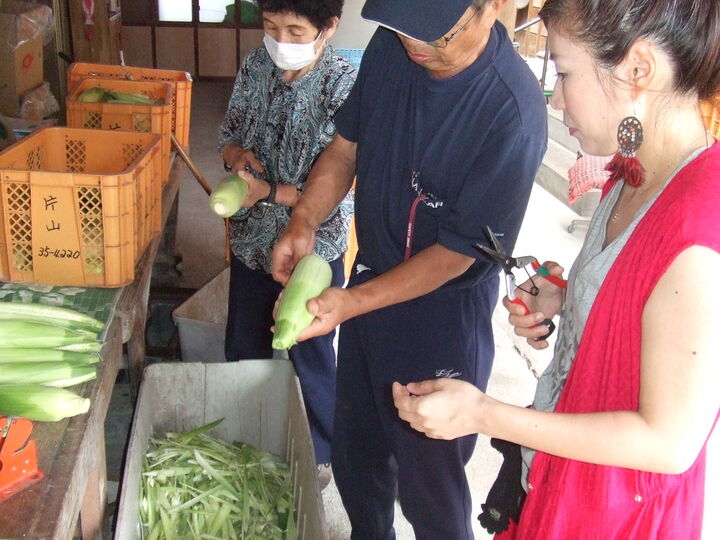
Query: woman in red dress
{"x": 614, "y": 446}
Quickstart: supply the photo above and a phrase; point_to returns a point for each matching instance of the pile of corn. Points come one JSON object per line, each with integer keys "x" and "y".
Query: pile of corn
{"x": 44, "y": 350}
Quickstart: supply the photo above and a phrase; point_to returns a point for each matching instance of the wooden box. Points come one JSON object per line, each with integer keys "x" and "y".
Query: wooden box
{"x": 261, "y": 404}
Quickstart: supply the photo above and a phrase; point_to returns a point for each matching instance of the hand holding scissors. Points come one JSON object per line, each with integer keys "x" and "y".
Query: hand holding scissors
{"x": 508, "y": 263}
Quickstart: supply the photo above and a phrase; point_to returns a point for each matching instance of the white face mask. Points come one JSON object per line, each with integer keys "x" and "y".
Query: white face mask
{"x": 291, "y": 56}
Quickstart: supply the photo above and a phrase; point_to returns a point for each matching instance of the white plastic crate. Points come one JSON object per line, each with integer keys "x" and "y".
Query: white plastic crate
{"x": 261, "y": 404}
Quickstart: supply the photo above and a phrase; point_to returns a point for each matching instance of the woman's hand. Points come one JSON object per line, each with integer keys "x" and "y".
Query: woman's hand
{"x": 545, "y": 305}
{"x": 257, "y": 189}
{"x": 440, "y": 408}
{"x": 241, "y": 159}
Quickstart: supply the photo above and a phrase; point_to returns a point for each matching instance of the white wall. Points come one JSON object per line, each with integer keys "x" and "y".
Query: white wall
{"x": 354, "y": 32}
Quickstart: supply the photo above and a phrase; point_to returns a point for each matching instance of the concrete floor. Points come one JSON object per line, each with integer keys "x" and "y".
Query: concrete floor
{"x": 200, "y": 242}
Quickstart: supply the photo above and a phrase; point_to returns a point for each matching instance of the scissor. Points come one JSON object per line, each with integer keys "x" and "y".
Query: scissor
{"x": 508, "y": 262}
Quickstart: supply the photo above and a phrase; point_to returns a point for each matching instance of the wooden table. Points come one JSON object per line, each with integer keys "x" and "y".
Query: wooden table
{"x": 72, "y": 452}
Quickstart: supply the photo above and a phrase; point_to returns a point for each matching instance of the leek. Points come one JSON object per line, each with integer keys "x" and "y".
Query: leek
{"x": 311, "y": 276}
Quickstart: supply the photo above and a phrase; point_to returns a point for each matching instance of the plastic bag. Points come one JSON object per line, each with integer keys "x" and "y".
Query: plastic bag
{"x": 31, "y": 21}
{"x": 38, "y": 103}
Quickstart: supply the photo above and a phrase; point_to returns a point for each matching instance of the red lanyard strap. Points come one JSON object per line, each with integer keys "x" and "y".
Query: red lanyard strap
{"x": 411, "y": 224}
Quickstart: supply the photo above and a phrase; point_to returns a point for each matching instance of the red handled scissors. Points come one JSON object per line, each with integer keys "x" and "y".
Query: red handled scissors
{"x": 508, "y": 263}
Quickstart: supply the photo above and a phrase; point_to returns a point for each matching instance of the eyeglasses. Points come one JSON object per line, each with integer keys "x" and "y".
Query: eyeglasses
{"x": 442, "y": 42}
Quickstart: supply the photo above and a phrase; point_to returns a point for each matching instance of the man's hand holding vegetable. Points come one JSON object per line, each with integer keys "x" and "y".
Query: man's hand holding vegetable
{"x": 330, "y": 179}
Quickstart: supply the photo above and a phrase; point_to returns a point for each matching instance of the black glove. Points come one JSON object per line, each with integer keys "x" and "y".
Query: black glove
{"x": 506, "y": 496}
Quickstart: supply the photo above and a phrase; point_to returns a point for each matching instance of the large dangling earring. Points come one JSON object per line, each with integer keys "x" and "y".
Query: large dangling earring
{"x": 625, "y": 163}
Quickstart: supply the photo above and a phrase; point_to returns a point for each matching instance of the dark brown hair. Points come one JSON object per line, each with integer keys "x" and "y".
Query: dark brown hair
{"x": 688, "y": 31}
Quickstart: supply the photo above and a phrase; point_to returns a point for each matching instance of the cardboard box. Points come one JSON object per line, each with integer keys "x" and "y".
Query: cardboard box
{"x": 22, "y": 27}
{"x": 261, "y": 404}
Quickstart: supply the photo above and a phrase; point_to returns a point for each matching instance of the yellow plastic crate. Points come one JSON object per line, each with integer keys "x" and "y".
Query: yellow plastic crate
{"x": 78, "y": 206}
{"x": 118, "y": 116}
{"x": 181, "y": 80}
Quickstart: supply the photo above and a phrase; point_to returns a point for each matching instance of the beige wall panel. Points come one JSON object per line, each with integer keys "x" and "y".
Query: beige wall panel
{"x": 249, "y": 40}
{"x": 175, "y": 48}
{"x": 217, "y": 52}
{"x": 137, "y": 46}
{"x": 354, "y": 32}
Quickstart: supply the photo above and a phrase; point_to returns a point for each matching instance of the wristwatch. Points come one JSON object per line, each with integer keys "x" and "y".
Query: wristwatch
{"x": 270, "y": 199}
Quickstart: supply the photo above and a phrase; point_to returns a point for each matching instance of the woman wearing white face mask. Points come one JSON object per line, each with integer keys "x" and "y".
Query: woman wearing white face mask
{"x": 279, "y": 118}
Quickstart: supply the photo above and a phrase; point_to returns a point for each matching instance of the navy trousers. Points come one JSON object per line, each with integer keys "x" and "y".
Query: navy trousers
{"x": 247, "y": 336}
{"x": 447, "y": 333}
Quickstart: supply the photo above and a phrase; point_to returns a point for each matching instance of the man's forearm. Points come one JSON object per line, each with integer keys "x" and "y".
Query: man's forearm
{"x": 329, "y": 181}
{"x": 421, "y": 274}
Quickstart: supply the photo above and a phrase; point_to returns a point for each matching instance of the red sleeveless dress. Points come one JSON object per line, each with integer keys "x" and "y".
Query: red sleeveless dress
{"x": 575, "y": 500}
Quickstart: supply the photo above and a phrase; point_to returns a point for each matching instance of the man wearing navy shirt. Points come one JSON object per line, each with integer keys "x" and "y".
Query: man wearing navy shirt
{"x": 444, "y": 129}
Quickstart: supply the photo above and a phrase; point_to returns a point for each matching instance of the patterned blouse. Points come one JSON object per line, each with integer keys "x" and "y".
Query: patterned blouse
{"x": 286, "y": 125}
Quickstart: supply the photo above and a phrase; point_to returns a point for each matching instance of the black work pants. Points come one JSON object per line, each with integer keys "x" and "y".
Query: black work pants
{"x": 447, "y": 333}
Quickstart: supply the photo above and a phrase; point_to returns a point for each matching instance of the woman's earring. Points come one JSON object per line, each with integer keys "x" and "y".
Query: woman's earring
{"x": 625, "y": 163}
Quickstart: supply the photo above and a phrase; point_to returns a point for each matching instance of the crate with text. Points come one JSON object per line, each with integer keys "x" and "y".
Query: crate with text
{"x": 181, "y": 81}
{"x": 111, "y": 113}
{"x": 78, "y": 206}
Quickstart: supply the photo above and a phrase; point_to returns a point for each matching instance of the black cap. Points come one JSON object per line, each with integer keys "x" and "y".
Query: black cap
{"x": 424, "y": 20}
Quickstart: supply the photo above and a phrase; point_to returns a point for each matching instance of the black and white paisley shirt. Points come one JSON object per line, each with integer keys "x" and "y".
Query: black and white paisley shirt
{"x": 286, "y": 125}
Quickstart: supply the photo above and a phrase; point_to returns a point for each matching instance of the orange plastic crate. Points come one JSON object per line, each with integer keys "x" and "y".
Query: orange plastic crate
{"x": 117, "y": 116}
{"x": 711, "y": 114}
{"x": 181, "y": 80}
{"x": 78, "y": 206}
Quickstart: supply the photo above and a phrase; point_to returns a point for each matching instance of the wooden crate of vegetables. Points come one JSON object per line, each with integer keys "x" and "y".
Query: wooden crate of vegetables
{"x": 181, "y": 81}
{"x": 141, "y": 107}
{"x": 78, "y": 207}
{"x": 183, "y": 475}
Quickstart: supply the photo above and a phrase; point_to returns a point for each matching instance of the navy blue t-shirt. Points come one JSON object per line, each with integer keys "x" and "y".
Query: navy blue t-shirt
{"x": 473, "y": 143}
